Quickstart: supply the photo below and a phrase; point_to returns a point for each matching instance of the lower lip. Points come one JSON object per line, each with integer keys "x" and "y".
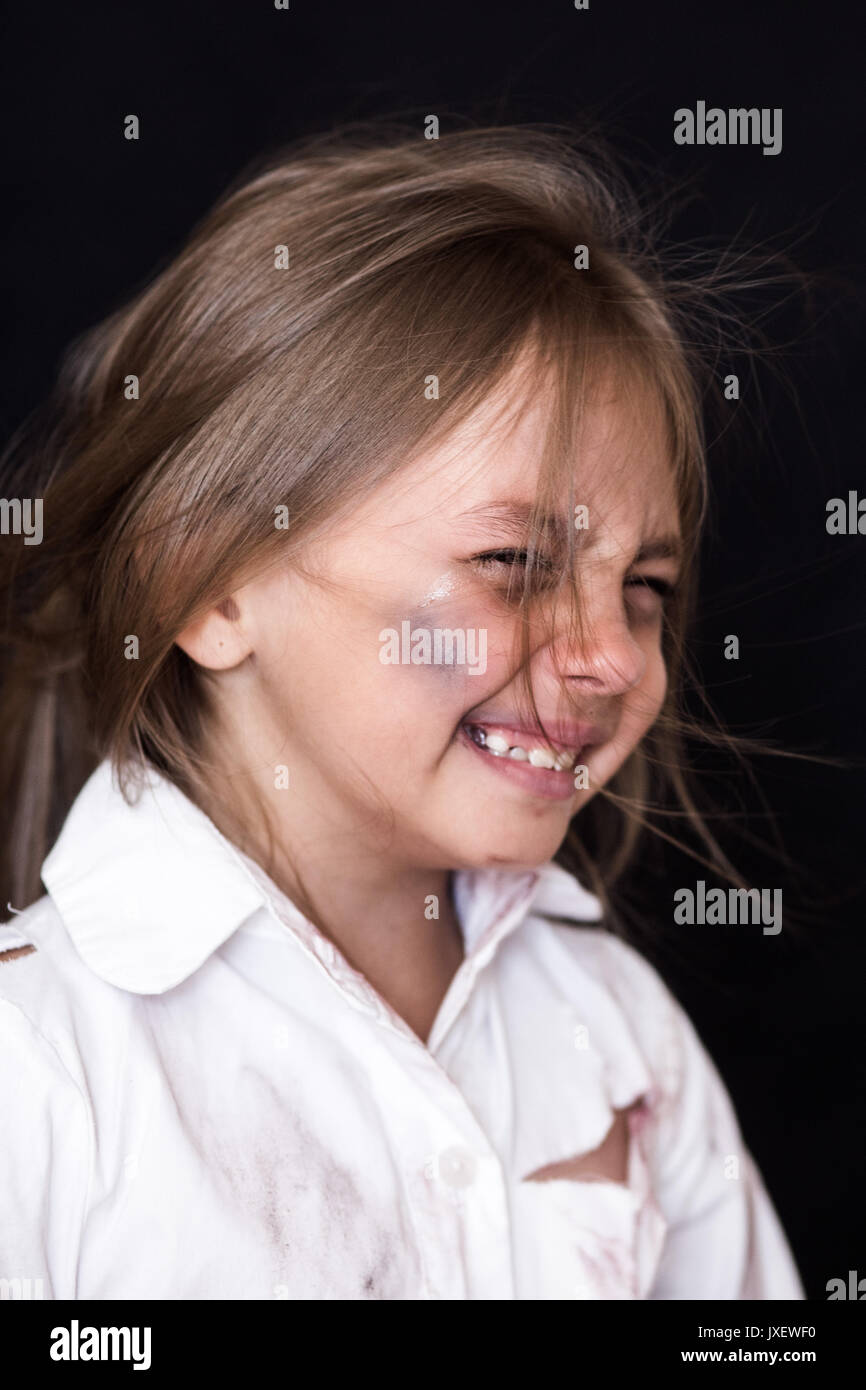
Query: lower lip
{"x": 540, "y": 781}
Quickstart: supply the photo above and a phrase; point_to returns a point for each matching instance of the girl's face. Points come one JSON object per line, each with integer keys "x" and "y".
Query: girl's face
{"x": 391, "y": 735}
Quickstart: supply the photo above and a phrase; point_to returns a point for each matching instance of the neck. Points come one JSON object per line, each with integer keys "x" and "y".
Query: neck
{"x": 394, "y": 921}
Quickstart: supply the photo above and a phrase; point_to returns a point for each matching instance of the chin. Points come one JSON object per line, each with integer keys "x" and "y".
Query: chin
{"x": 515, "y": 853}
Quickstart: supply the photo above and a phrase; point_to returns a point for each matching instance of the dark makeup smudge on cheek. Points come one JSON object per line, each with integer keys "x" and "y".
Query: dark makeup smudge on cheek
{"x": 451, "y": 615}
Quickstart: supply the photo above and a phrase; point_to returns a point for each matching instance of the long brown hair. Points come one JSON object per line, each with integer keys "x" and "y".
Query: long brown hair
{"x": 279, "y": 361}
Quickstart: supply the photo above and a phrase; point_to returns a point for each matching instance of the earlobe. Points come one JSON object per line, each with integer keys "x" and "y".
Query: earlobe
{"x": 217, "y": 639}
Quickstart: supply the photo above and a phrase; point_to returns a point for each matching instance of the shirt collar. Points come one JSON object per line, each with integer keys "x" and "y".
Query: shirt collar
{"x": 148, "y": 890}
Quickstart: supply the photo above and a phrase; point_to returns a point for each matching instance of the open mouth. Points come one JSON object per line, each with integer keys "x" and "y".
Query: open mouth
{"x": 498, "y": 745}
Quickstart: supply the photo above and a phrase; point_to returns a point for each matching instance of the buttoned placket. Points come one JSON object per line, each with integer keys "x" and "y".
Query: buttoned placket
{"x": 461, "y": 1170}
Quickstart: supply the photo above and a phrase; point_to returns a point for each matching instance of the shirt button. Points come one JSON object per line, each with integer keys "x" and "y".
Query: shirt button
{"x": 457, "y": 1167}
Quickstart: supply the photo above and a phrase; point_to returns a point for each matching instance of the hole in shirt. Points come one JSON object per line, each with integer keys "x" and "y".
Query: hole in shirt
{"x": 14, "y": 953}
{"x": 606, "y": 1163}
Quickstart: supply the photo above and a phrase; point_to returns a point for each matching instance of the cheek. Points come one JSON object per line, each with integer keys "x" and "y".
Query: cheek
{"x": 638, "y": 713}
{"x": 449, "y": 651}
{"x": 657, "y": 670}
{"x": 646, "y": 700}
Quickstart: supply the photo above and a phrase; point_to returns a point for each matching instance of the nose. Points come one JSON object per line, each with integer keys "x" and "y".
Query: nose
{"x": 596, "y": 651}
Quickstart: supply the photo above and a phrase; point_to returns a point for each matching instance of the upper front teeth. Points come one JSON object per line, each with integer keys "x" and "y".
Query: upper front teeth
{"x": 496, "y": 743}
{"x": 538, "y": 757}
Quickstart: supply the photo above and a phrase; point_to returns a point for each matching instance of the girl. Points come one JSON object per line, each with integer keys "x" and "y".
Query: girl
{"x": 353, "y": 640}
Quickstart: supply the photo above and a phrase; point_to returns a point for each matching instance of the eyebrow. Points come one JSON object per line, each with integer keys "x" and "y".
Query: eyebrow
{"x": 517, "y": 515}
{"x": 663, "y": 548}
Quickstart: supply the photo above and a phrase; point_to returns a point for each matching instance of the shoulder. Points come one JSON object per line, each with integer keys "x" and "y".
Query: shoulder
{"x": 50, "y": 1003}
{"x": 23, "y": 938}
{"x": 619, "y": 970}
{"x": 47, "y": 1154}
{"x": 43, "y": 1093}
{"x": 25, "y": 970}
{"x": 636, "y": 1010}
{"x": 612, "y": 960}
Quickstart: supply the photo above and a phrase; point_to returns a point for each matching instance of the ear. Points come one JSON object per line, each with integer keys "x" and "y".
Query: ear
{"x": 217, "y": 639}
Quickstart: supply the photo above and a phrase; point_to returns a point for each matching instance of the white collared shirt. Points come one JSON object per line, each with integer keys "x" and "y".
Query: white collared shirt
{"x": 201, "y": 1098}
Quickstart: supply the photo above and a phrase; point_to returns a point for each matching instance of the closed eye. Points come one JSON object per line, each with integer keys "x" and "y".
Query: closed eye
{"x": 648, "y": 596}
{"x": 663, "y": 587}
{"x": 509, "y": 557}
{"x": 508, "y": 562}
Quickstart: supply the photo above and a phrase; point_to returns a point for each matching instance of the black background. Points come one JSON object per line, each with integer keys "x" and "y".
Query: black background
{"x": 90, "y": 215}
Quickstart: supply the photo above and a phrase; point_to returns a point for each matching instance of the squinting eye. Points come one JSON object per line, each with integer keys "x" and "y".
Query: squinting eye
{"x": 508, "y": 558}
{"x": 508, "y": 561}
{"x": 663, "y": 588}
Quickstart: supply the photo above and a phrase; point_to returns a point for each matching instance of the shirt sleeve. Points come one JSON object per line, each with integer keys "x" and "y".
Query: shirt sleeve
{"x": 45, "y": 1147}
{"x": 724, "y": 1239}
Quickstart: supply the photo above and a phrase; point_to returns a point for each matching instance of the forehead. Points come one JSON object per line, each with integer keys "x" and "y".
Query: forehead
{"x": 616, "y": 461}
